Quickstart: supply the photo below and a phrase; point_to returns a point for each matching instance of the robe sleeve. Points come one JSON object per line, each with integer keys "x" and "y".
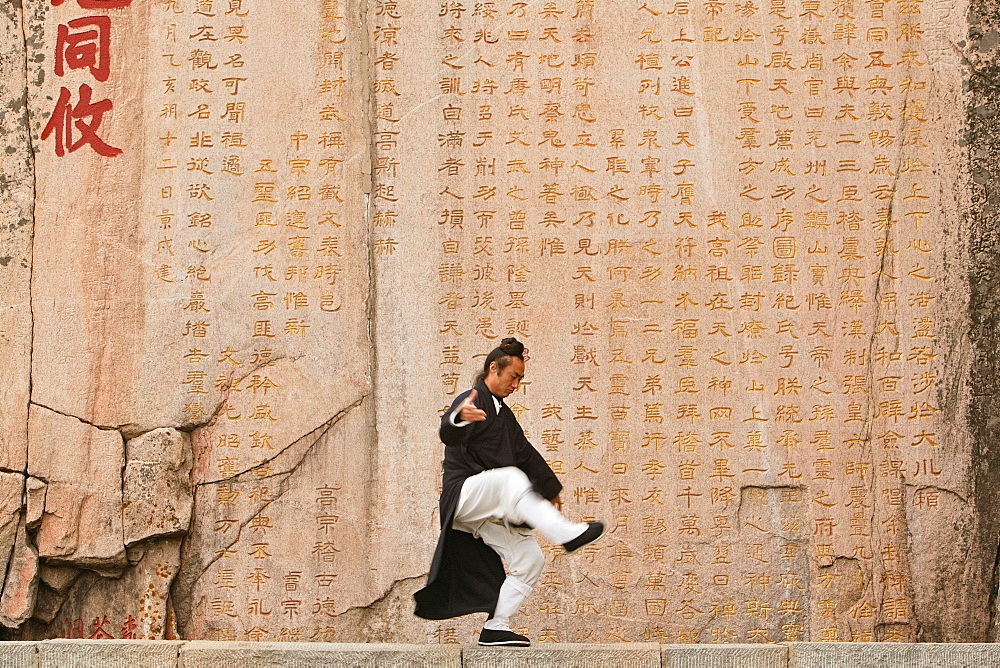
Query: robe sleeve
{"x": 449, "y": 433}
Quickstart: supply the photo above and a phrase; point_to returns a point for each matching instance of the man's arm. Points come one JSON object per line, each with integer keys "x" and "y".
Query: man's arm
{"x": 542, "y": 478}
{"x": 529, "y": 460}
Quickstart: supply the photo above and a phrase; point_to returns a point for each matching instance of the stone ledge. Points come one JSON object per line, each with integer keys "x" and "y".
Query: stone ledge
{"x": 206, "y": 654}
{"x": 62, "y": 653}
{"x": 724, "y": 656}
{"x": 102, "y": 653}
{"x": 894, "y": 655}
{"x": 630, "y": 655}
{"x": 18, "y": 654}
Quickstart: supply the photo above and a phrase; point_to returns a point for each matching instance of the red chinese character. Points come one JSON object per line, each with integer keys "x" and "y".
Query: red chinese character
{"x": 74, "y": 628}
{"x": 129, "y": 627}
{"x": 99, "y": 633}
{"x": 85, "y": 47}
{"x": 97, "y": 4}
{"x": 65, "y": 117}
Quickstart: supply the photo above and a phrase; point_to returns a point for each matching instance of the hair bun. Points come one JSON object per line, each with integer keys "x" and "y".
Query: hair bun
{"x": 512, "y": 346}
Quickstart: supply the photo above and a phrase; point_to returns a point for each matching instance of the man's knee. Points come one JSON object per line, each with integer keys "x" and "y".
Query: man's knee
{"x": 529, "y": 564}
{"x": 510, "y": 485}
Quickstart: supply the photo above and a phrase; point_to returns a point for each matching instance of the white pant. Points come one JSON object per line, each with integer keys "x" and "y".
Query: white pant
{"x": 493, "y": 501}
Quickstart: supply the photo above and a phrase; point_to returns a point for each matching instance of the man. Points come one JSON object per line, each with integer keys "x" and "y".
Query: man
{"x": 496, "y": 489}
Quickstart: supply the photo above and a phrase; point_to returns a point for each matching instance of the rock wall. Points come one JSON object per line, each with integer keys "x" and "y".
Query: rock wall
{"x": 251, "y": 250}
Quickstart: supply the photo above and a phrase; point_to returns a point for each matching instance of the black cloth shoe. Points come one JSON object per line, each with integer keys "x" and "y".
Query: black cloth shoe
{"x": 496, "y": 637}
{"x": 594, "y": 531}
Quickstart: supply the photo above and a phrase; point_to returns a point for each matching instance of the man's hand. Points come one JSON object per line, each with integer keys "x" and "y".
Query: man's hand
{"x": 469, "y": 411}
{"x": 557, "y": 502}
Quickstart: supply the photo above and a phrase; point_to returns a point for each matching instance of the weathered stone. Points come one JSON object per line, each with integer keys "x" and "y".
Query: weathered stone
{"x": 35, "y": 502}
{"x": 102, "y": 653}
{"x": 205, "y": 654}
{"x": 82, "y": 521}
{"x": 11, "y": 506}
{"x": 58, "y": 578}
{"x": 16, "y": 228}
{"x": 157, "y": 494}
{"x": 957, "y": 593}
{"x": 90, "y": 306}
{"x": 134, "y": 605}
{"x": 724, "y": 656}
{"x": 633, "y": 655}
{"x": 48, "y": 602}
{"x": 17, "y": 556}
{"x": 893, "y": 655}
{"x": 17, "y": 603}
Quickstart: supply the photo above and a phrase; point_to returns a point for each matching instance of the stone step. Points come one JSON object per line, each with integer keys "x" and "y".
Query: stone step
{"x": 63, "y": 653}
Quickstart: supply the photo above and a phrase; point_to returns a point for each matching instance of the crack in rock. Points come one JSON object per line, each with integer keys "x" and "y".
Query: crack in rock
{"x": 314, "y": 437}
{"x": 384, "y": 595}
{"x": 101, "y": 427}
{"x": 319, "y": 432}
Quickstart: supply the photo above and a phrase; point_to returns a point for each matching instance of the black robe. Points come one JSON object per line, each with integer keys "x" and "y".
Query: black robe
{"x": 466, "y": 573}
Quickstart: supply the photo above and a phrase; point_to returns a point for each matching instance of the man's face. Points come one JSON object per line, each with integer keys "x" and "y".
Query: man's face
{"x": 504, "y": 382}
